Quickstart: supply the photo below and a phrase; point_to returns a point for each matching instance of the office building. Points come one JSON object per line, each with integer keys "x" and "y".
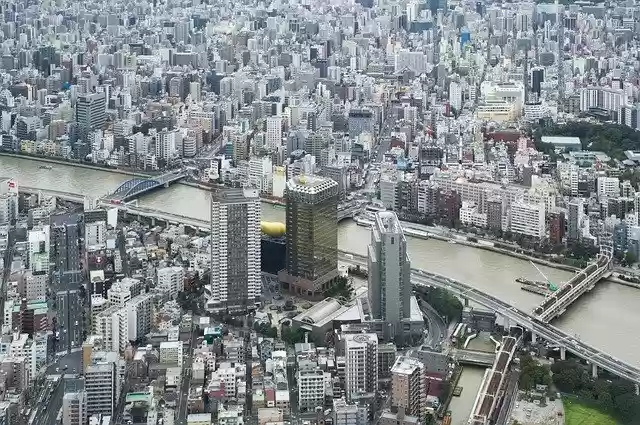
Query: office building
{"x": 406, "y": 385}
{"x": 528, "y": 219}
{"x": 101, "y": 386}
{"x": 274, "y": 132}
{"x": 361, "y": 366}
{"x": 608, "y": 187}
{"x": 389, "y": 274}
{"x": 91, "y": 110}
{"x": 312, "y": 235}
{"x": 74, "y": 408}
{"x": 235, "y": 250}
{"x": 170, "y": 281}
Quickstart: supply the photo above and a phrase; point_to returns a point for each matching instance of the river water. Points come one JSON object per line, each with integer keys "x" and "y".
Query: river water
{"x": 606, "y": 318}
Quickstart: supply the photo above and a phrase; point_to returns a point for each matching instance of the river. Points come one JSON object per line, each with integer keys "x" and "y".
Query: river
{"x": 606, "y": 318}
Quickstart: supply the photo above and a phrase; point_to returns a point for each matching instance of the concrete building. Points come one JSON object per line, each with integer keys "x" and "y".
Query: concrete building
{"x": 389, "y": 274}
{"x": 274, "y": 132}
{"x": 608, "y": 187}
{"x": 361, "y": 366}
{"x": 39, "y": 241}
{"x": 312, "y": 235}
{"x": 74, "y": 408}
{"x": 235, "y": 250}
{"x": 170, "y": 281}
{"x": 311, "y": 389}
{"x": 528, "y": 219}
{"x": 349, "y": 414}
{"x": 407, "y": 378}
{"x": 171, "y": 353}
{"x": 91, "y": 110}
{"x": 575, "y": 216}
{"x": 101, "y": 387}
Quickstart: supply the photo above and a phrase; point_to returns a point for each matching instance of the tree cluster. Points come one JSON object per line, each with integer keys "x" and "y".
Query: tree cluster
{"x": 341, "y": 289}
{"x": 443, "y": 301}
{"x": 532, "y": 373}
{"x": 615, "y": 396}
{"x": 265, "y": 329}
{"x": 612, "y": 139}
{"x": 292, "y": 336}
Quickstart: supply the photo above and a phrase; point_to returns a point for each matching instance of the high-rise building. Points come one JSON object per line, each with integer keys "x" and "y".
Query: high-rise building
{"x": 101, "y": 386}
{"x": 361, "y": 365}
{"x": 235, "y": 250}
{"x": 74, "y": 408}
{"x": 389, "y": 274}
{"x": 91, "y": 110}
{"x": 406, "y": 385}
{"x": 274, "y": 132}
{"x": 312, "y": 235}
{"x": 8, "y": 200}
{"x": 311, "y": 388}
{"x": 39, "y": 241}
{"x": 575, "y": 216}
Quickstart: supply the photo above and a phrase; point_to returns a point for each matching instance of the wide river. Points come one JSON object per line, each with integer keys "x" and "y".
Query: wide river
{"x": 606, "y": 318}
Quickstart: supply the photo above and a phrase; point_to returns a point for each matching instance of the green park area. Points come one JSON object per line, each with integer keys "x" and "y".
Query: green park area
{"x": 580, "y": 413}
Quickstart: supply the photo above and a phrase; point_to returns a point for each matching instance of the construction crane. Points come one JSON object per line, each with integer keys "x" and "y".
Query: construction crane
{"x": 550, "y": 285}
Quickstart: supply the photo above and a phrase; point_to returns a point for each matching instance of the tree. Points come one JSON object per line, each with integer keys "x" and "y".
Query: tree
{"x": 342, "y": 288}
{"x": 630, "y": 258}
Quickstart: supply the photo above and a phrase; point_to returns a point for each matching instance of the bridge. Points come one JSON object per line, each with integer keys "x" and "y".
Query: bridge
{"x": 491, "y": 392}
{"x": 348, "y": 211}
{"x": 516, "y": 318}
{"x": 557, "y": 302}
{"x": 135, "y": 187}
{"x": 473, "y": 357}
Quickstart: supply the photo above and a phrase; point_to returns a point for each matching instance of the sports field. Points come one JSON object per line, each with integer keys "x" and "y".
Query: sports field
{"x": 577, "y": 413}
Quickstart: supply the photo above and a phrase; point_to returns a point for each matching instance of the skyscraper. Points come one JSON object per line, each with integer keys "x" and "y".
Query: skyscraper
{"x": 312, "y": 235}
{"x": 235, "y": 250}
{"x": 389, "y": 274}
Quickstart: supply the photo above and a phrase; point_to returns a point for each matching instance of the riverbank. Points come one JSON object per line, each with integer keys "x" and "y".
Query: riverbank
{"x": 49, "y": 160}
{"x": 423, "y": 232}
{"x": 203, "y": 186}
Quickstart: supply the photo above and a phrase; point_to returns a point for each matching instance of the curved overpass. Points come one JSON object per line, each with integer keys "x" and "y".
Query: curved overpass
{"x": 523, "y": 319}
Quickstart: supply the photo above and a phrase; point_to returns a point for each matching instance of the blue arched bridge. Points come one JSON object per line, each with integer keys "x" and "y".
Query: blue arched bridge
{"x": 135, "y": 187}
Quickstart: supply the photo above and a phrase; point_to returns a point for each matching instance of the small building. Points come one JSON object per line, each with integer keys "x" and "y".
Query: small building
{"x": 563, "y": 143}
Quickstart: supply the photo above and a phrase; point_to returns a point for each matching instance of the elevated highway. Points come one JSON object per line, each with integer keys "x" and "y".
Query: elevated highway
{"x": 527, "y": 321}
{"x": 557, "y": 302}
{"x": 516, "y": 317}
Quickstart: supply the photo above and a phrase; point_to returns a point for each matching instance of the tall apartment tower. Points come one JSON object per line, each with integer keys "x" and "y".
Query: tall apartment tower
{"x": 575, "y": 215}
{"x": 560, "y": 59}
{"x": 235, "y": 250}
{"x": 406, "y": 385}
{"x": 389, "y": 274}
{"x": 361, "y": 366}
{"x": 74, "y": 408}
{"x": 312, "y": 235}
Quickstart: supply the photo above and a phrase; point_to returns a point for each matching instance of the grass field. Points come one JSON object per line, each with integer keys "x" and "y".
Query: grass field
{"x": 577, "y": 413}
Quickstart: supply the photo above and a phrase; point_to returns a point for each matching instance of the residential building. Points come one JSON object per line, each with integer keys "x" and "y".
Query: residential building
{"x": 389, "y": 274}
{"x": 170, "y": 281}
{"x": 74, "y": 408}
{"x": 361, "y": 366}
{"x": 311, "y": 389}
{"x": 235, "y": 250}
{"x": 528, "y": 219}
{"x": 407, "y": 378}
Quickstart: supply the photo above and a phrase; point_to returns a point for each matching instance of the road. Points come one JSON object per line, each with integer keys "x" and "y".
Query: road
{"x": 437, "y": 329}
{"x": 185, "y": 383}
{"x": 519, "y": 318}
